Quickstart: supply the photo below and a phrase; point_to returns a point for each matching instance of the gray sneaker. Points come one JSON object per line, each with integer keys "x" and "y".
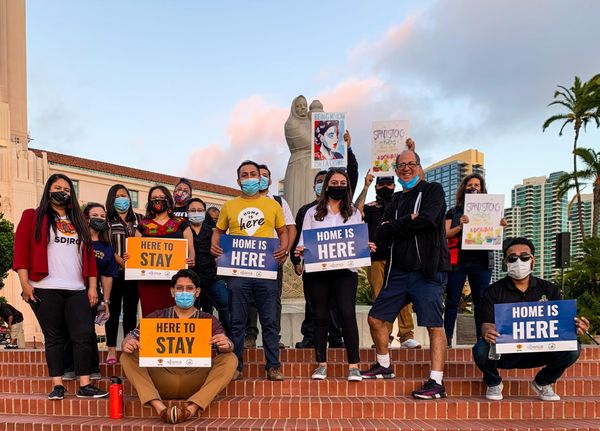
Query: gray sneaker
{"x": 354, "y": 375}
{"x": 320, "y": 373}
{"x": 494, "y": 392}
{"x": 69, "y": 375}
{"x": 545, "y": 392}
{"x": 95, "y": 376}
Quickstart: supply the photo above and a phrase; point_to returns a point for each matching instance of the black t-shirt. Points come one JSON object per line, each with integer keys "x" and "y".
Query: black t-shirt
{"x": 7, "y": 310}
{"x": 181, "y": 211}
{"x": 465, "y": 256}
{"x": 504, "y": 291}
{"x": 373, "y": 214}
{"x": 205, "y": 265}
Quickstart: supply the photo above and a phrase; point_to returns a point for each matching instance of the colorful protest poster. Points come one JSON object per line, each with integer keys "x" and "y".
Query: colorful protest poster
{"x": 175, "y": 342}
{"x": 484, "y": 231}
{"x": 388, "y": 139}
{"x": 329, "y": 149}
{"x": 247, "y": 256}
{"x": 331, "y": 248}
{"x": 154, "y": 258}
{"x": 543, "y": 326}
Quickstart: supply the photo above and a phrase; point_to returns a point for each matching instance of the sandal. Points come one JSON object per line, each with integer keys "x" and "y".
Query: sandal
{"x": 175, "y": 415}
{"x": 111, "y": 361}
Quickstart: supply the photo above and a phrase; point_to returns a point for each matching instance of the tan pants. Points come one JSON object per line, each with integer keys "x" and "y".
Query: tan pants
{"x": 406, "y": 326}
{"x": 16, "y": 331}
{"x": 198, "y": 385}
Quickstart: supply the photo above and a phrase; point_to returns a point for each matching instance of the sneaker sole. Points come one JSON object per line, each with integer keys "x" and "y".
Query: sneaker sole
{"x": 355, "y": 379}
{"x": 56, "y": 398}
{"x": 318, "y": 377}
{"x": 430, "y": 397}
{"x": 539, "y": 394}
{"x": 92, "y": 396}
{"x": 380, "y": 376}
{"x": 494, "y": 398}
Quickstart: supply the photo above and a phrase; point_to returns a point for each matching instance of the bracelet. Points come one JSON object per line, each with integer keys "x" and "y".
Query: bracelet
{"x": 107, "y": 301}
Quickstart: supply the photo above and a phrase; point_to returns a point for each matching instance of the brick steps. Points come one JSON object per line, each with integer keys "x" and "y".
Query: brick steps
{"x": 54, "y": 423}
{"x": 331, "y": 387}
{"x": 307, "y": 407}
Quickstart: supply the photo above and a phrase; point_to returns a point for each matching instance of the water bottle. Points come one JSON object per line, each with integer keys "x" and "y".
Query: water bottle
{"x": 116, "y": 398}
{"x": 492, "y": 355}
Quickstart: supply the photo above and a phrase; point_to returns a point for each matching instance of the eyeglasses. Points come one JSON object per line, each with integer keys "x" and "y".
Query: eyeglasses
{"x": 411, "y": 165}
{"x": 512, "y": 258}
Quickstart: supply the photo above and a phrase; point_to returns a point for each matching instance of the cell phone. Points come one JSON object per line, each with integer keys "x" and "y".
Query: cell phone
{"x": 36, "y": 303}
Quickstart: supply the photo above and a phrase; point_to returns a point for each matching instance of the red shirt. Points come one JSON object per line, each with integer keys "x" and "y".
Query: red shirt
{"x": 33, "y": 255}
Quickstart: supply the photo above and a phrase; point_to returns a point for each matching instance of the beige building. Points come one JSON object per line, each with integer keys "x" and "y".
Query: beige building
{"x": 23, "y": 170}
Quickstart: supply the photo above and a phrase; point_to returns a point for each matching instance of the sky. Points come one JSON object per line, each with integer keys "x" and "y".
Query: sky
{"x": 193, "y": 88}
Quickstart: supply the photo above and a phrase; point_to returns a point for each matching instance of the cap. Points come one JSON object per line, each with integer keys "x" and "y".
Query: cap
{"x": 384, "y": 180}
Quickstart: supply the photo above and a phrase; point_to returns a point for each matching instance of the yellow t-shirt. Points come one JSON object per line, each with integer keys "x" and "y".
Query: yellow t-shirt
{"x": 251, "y": 217}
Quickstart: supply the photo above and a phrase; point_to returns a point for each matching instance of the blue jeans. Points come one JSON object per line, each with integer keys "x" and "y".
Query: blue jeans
{"x": 479, "y": 279}
{"x": 242, "y": 291}
{"x": 216, "y": 296}
{"x": 554, "y": 363}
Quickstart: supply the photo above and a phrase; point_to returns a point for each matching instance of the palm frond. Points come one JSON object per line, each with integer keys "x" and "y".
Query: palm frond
{"x": 554, "y": 118}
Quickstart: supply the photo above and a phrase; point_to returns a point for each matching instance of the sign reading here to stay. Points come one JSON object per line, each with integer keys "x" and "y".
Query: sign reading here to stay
{"x": 155, "y": 258}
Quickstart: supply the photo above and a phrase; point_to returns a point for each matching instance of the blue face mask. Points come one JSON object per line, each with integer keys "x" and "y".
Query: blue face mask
{"x": 250, "y": 186}
{"x": 184, "y": 299}
{"x": 122, "y": 204}
{"x": 196, "y": 217}
{"x": 264, "y": 183}
{"x": 409, "y": 184}
{"x": 318, "y": 188}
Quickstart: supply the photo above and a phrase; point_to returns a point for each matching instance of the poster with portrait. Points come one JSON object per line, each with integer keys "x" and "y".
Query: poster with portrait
{"x": 484, "y": 231}
{"x": 388, "y": 139}
{"x": 328, "y": 149}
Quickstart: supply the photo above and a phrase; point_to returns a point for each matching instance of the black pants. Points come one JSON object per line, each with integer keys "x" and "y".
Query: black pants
{"x": 337, "y": 286}
{"x": 308, "y": 325}
{"x": 69, "y": 359}
{"x": 127, "y": 293}
{"x": 65, "y": 315}
{"x": 252, "y": 321}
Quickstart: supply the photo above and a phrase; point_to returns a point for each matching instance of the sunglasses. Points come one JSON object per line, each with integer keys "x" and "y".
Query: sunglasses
{"x": 512, "y": 258}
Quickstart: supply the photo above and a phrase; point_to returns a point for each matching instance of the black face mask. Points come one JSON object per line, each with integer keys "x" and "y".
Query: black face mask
{"x": 469, "y": 191}
{"x": 159, "y": 205}
{"x": 60, "y": 199}
{"x": 336, "y": 193}
{"x": 384, "y": 193}
{"x": 98, "y": 224}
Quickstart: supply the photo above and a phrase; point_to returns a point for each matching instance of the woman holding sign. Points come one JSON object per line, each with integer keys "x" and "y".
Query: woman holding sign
{"x": 477, "y": 265}
{"x": 160, "y": 222}
{"x": 334, "y": 208}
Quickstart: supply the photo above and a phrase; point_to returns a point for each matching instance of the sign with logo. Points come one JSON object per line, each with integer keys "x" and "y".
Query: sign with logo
{"x": 331, "y": 248}
{"x": 245, "y": 256}
{"x": 484, "y": 231}
{"x": 175, "y": 342}
{"x": 388, "y": 139}
{"x": 154, "y": 258}
{"x": 542, "y": 326}
{"x": 328, "y": 149}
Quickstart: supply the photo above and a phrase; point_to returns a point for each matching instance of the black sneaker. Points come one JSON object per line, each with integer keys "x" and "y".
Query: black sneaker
{"x": 58, "y": 393}
{"x": 378, "y": 371}
{"x": 91, "y": 391}
{"x": 305, "y": 344}
{"x": 430, "y": 391}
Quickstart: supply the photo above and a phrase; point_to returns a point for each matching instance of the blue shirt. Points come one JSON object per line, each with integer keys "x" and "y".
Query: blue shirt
{"x": 105, "y": 259}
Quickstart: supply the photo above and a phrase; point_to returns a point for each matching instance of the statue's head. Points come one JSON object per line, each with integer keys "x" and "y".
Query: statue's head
{"x": 300, "y": 106}
{"x": 316, "y": 106}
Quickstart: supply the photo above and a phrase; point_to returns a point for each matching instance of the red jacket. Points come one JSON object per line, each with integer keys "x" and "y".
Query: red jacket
{"x": 33, "y": 255}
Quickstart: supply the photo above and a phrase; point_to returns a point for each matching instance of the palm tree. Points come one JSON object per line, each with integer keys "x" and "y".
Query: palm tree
{"x": 581, "y": 101}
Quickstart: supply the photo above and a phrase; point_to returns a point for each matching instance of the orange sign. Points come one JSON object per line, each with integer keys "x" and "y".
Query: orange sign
{"x": 155, "y": 258}
{"x": 175, "y": 342}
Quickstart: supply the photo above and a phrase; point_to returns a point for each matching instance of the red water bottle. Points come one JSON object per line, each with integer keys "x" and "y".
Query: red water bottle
{"x": 116, "y": 398}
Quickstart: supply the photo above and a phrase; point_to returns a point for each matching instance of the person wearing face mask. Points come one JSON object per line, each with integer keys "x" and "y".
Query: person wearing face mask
{"x": 476, "y": 265}
{"x": 520, "y": 285}
{"x": 122, "y": 223}
{"x": 213, "y": 292}
{"x": 253, "y": 215}
{"x": 182, "y": 195}
{"x": 54, "y": 259}
{"x": 160, "y": 222}
{"x": 334, "y": 208}
{"x": 197, "y": 385}
{"x": 307, "y": 328}
{"x": 413, "y": 226}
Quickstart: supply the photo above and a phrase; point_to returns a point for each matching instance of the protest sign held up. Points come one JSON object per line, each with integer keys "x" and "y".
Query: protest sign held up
{"x": 331, "y": 248}
{"x": 328, "y": 149}
{"x": 246, "y": 256}
{"x": 484, "y": 231}
{"x": 155, "y": 258}
{"x": 543, "y": 326}
{"x": 388, "y": 139}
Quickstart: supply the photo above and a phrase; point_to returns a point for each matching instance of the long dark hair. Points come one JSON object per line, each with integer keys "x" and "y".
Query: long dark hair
{"x": 72, "y": 210}
{"x": 111, "y": 213}
{"x": 150, "y": 211}
{"x": 346, "y": 208}
{"x": 102, "y": 236}
{"x": 460, "y": 192}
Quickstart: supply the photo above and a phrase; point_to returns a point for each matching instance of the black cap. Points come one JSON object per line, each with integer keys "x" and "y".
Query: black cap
{"x": 384, "y": 180}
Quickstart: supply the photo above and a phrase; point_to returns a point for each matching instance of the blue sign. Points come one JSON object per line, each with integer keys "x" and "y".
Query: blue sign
{"x": 248, "y": 256}
{"x": 340, "y": 247}
{"x": 542, "y": 326}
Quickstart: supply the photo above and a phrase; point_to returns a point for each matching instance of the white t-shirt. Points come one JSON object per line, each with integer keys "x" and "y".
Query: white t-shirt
{"x": 287, "y": 211}
{"x": 65, "y": 265}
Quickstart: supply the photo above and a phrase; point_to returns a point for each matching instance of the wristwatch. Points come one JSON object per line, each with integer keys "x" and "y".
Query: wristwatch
{"x": 107, "y": 301}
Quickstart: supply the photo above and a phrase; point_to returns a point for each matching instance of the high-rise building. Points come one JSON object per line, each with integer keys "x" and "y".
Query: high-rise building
{"x": 451, "y": 171}
{"x": 587, "y": 204}
{"x": 512, "y": 216}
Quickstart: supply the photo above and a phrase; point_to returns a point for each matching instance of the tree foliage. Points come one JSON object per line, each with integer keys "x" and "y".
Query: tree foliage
{"x": 7, "y": 239}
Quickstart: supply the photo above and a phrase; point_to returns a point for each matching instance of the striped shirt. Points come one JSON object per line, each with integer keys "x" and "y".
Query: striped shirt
{"x": 120, "y": 231}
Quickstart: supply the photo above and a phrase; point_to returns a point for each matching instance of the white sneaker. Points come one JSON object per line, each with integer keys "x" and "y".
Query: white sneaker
{"x": 354, "y": 375}
{"x": 545, "y": 392}
{"x": 410, "y": 344}
{"x": 494, "y": 392}
{"x": 320, "y": 373}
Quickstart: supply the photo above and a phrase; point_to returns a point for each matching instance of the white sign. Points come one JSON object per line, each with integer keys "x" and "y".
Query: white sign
{"x": 388, "y": 139}
{"x": 328, "y": 149}
{"x": 484, "y": 231}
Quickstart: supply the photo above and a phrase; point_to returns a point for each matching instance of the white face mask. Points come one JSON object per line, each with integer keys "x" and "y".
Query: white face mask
{"x": 519, "y": 270}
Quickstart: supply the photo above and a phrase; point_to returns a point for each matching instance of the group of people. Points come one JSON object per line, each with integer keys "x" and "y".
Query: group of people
{"x": 69, "y": 261}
